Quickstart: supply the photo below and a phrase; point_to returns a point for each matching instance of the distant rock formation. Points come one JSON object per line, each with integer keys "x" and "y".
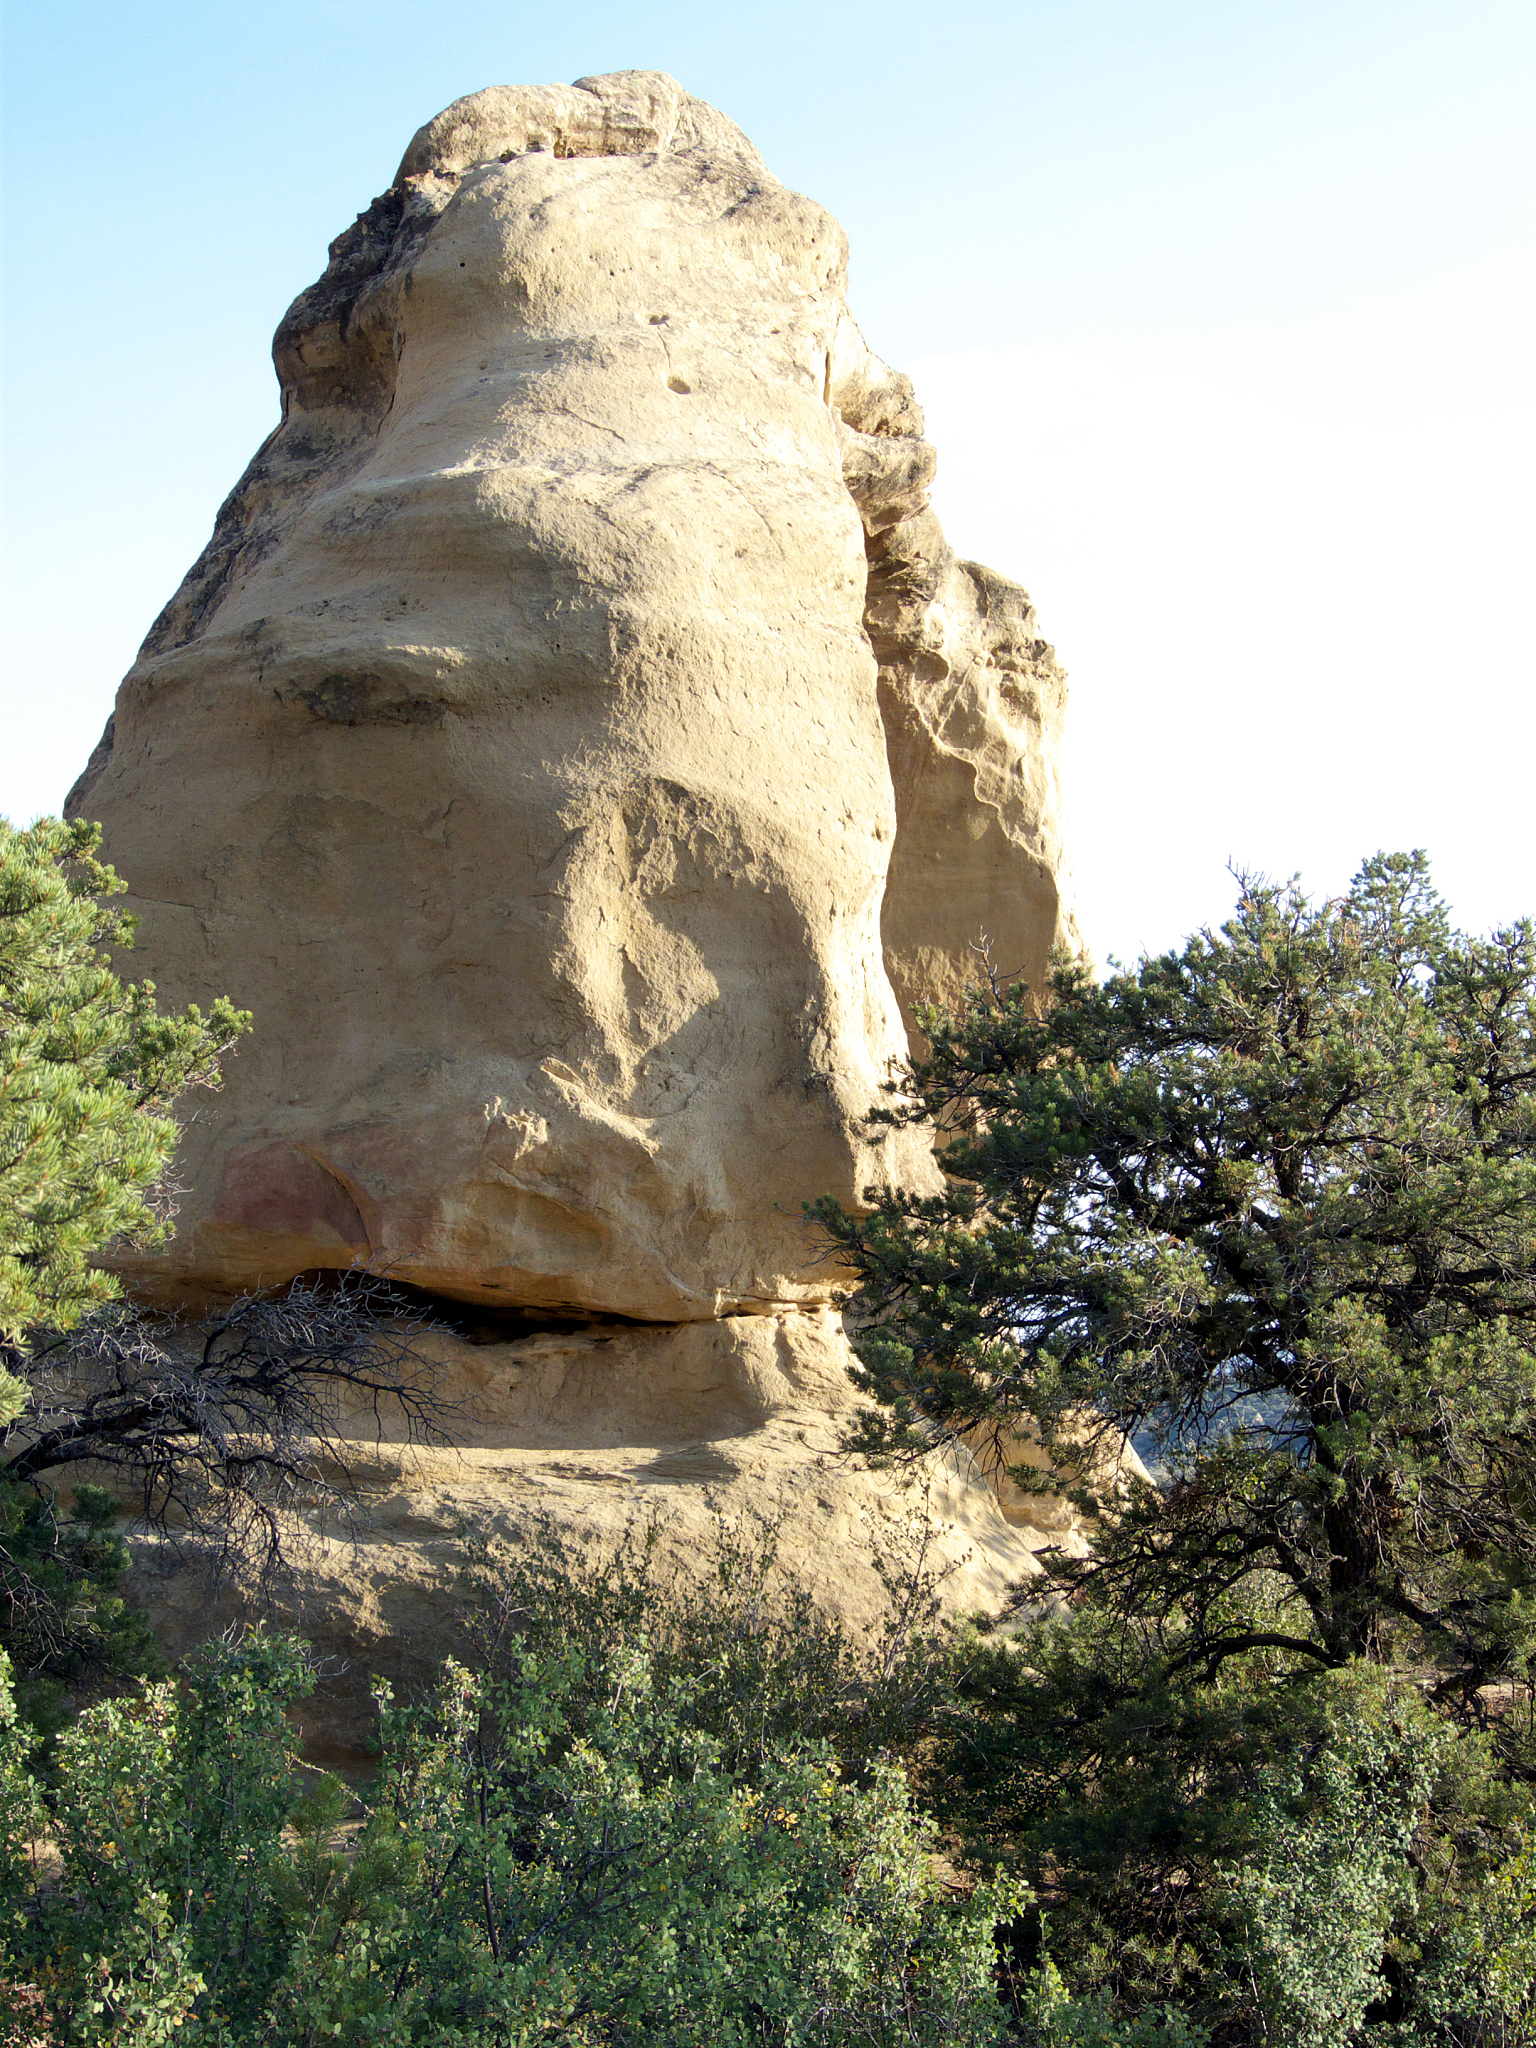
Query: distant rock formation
{"x": 577, "y": 743}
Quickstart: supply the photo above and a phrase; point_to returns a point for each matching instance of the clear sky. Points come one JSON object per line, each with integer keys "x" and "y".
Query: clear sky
{"x": 1222, "y": 315}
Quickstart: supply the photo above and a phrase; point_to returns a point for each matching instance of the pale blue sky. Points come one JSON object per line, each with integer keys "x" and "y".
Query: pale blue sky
{"x": 1222, "y": 314}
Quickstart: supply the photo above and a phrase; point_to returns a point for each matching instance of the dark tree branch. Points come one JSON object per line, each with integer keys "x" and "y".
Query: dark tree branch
{"x": 216, "y": 1433}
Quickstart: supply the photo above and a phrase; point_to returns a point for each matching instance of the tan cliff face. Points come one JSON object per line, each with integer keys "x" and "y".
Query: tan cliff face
{"x": 577, "y": 744}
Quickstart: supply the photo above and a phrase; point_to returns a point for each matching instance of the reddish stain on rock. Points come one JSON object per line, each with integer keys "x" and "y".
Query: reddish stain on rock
{"x": 281, "y": 1190}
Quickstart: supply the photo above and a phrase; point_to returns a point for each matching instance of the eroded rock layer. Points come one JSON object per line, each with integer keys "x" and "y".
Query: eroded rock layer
{"x": 576, "y": 744}
{"x": 666, "y": 1436}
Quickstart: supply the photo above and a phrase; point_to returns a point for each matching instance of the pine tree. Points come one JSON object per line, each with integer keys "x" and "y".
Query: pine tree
{"x": 88, "y": 1070}
{"x": 1269, "y": 1201}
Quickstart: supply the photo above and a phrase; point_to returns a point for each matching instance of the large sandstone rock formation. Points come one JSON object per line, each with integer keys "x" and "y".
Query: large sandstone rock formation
{"x": 578, "y": 746}
{"x": 576, "y": 743}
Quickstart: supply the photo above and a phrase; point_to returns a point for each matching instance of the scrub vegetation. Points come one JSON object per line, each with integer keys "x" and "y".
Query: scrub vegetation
{"x": 1256, "y": 1771}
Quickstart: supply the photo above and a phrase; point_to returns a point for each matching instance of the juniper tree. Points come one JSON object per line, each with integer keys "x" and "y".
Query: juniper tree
{"x": 1271, "y": 1200}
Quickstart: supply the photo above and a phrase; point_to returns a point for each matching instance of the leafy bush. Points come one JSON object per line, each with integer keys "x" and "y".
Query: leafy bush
{"x": 558, "y": 1855}
{"x": 751, "y": 1660}
{"x": 590, "y": 1871}
{"x": 658, "y": 1815}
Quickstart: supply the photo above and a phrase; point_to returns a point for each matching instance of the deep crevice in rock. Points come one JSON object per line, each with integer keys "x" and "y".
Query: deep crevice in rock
{"x": 474, "y": 1322}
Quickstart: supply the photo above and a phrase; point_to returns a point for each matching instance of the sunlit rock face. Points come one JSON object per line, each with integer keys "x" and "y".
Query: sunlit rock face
{"x": 577, "y": 744}
{"x": 669, "y": 1435}
{"x": 581, "y": 750}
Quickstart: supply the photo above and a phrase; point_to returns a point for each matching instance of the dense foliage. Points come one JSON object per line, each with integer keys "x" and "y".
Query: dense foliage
{"x": 1269, "y": 1200}
{"x": 591, "y": 1842}
{"x": 1307, "y": 1857}
{"x": 646, "y": 1813}
{"x": 88, "y": 1070}
{"x": 64, "y": 1618}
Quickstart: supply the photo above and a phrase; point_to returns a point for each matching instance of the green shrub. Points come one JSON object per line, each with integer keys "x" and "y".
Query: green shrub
{"x": 62, "y": 1612}
{"x": 559, "y": 1855}
{"x": 583, "y": 1868}
{"x": 748, "y": 1657}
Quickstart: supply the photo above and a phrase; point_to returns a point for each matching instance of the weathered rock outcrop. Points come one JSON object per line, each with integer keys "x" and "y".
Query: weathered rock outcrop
{"x": 579, "y": 747}
{"x": 655, "y": 1432}
{"x": 515, "y": 749}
